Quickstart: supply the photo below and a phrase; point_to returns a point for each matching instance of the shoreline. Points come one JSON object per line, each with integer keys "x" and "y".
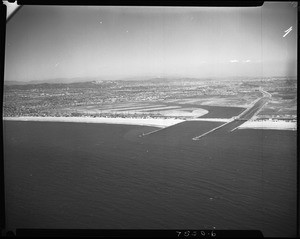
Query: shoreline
{"x": 159, "y": 123}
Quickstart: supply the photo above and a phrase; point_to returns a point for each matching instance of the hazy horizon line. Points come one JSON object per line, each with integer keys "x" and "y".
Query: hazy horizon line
{"x": 133, "y": 78}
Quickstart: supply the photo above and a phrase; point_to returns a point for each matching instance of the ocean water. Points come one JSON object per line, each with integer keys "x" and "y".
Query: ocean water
{"x": 101, "y": 176}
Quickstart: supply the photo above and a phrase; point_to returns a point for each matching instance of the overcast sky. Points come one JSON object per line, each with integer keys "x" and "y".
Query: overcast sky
{"x": 114, "y": 42}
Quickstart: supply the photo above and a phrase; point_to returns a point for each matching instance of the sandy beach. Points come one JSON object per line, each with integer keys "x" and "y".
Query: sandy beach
{"x": 269, "y": 124}
{"x": 160, "y": 123}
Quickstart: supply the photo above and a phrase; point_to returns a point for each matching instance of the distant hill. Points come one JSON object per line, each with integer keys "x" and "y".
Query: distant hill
{"x": 54, "y": 81}
{"x": 130, "y": 79}
{"x": 77, "y": 79}
{"x": 14, "y": 83}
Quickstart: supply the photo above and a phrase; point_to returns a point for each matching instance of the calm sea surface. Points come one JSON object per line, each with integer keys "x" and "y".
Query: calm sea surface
{"x": 78, "y": 175}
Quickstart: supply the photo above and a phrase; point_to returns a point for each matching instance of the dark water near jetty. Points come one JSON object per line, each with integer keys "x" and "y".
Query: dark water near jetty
{"x": 79, "y": 175}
